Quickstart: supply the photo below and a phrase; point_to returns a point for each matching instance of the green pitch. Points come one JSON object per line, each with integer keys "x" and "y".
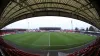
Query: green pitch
{"x": 49, "y": 40}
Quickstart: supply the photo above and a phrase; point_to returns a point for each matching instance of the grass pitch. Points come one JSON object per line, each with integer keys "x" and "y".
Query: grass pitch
{"x": 49, "y": 40}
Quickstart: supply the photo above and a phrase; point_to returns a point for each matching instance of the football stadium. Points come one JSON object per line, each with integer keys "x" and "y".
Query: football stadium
{"x": 49, "y": 41}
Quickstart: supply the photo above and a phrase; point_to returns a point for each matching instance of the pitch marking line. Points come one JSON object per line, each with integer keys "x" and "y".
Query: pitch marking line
{"x": 48, "y": 54}
{"x": 49, "y": 38}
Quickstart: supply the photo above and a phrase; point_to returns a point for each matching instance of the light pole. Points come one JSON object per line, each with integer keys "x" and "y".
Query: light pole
{"x": 72, "y": 24}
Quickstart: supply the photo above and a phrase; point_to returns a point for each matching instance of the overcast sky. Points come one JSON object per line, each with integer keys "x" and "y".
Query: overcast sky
{"x": 48, "y": 21}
